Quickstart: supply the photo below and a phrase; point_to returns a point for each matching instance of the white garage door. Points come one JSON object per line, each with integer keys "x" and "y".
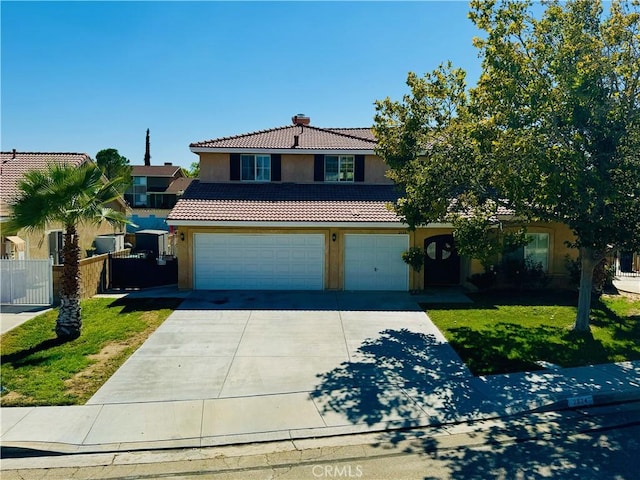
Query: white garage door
{"x": 374, "y": 262}
{"x": 270, "y": 262}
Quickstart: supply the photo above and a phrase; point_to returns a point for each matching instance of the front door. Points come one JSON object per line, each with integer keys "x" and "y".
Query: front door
{"x": 442, "y": 263}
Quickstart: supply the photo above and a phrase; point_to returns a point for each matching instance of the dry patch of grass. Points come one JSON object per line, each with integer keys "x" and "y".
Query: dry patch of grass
{"x": 39, "y": 370}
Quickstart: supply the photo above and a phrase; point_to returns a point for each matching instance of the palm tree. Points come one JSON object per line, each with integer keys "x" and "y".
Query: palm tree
{"x": 69, "y": 195}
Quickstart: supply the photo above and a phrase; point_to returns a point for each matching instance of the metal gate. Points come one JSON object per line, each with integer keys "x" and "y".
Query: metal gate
{"x": 141, "y": 271}
{"x": 26, "y": 282}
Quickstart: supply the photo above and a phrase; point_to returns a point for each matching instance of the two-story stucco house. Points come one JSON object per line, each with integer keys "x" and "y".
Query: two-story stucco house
{"x": 301, "y": 207}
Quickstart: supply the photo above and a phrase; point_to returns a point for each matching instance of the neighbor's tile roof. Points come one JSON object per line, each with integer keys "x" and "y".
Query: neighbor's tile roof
{"x": 285, "y": 202}
{"x": 180, "y": 184}
{"x": 13, "y": 169}
{"x": 155, "y": 170}
{"x": 309, "y": 138}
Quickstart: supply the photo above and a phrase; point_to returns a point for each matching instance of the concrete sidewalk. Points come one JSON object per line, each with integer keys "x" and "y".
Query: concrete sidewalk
{"x": 627, "y": 284}
{"x": 233, "y": 367}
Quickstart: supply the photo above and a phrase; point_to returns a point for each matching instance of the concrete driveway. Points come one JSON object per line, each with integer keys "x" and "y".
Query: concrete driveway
{"x": 225, "y": 344}
{"x": 240, "y": 367}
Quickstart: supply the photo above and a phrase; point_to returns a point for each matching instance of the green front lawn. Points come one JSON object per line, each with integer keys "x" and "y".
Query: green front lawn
{"x": 510, "y": 332}
{"x": 36, "y": 369}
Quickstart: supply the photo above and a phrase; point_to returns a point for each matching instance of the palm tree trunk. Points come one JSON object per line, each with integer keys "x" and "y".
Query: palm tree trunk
{"x": 69, "y": 321}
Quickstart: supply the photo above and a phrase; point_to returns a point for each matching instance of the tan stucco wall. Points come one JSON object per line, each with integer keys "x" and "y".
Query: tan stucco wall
{"x": 375, "y": 170}
{"x": 334, "y": 250}
{"x": 297, "y": 168}
{"x": 214, "y": 167}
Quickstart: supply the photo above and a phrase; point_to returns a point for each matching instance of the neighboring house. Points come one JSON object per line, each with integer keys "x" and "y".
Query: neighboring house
{"x": 154, "y": 192}
{"x": 301, "y": 207}
{"x": 48, "y": 243}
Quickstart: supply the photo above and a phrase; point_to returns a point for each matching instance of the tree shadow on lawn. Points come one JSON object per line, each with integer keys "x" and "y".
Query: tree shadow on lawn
{"x": 33, "y": 356}
{"x": 30, "y": 356}
{"x": 508, "y": 347}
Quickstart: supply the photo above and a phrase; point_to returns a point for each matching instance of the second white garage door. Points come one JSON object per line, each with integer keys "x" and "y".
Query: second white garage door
{"x": 374, "y": 262}
{"x": 269, "y": 262}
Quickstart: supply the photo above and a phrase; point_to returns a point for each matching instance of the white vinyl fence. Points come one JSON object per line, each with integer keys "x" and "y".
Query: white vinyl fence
{"x": 26, "y": 282}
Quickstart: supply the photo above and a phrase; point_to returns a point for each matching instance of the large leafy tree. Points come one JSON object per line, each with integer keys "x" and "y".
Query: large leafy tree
{"x": 550, "y": 131}
{"x": 68, "y": 195}
{"x": 114, "y": 165}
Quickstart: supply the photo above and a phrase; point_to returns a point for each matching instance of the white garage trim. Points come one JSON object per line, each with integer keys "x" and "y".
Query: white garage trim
{"x": 226, "y": 261}
{"x": 374, "y": 262}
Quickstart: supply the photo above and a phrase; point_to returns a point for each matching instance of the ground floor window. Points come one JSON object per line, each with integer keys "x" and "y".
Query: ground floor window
{"x": 537, "y": 250}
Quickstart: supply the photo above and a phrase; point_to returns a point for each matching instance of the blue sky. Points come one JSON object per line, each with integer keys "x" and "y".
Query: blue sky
{"x": 84, "y": 76}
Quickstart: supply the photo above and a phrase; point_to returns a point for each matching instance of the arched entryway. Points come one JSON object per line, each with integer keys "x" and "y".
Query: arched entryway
{"x": 442, "y": 262}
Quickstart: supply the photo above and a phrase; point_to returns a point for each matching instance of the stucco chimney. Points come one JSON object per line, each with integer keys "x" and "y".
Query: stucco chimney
{"x": 300, "y": 119}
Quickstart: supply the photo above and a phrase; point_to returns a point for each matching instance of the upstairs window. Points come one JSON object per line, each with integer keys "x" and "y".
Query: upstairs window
{"x": 339, "y": 168}
{"x": 255, "y": 168}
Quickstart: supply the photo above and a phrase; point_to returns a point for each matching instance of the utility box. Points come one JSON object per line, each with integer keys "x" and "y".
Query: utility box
{"x": 109, "y": 243}
{"x": 153, "y": 242}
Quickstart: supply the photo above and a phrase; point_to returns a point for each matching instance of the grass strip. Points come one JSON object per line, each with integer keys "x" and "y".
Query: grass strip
{"x": 506, "y": 332}
{"x": 37, "y": 369}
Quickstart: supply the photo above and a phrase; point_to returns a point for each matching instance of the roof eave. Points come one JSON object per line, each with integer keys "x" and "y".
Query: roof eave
{"x": 302, "y": 151}
{"x": 245, "y": 223}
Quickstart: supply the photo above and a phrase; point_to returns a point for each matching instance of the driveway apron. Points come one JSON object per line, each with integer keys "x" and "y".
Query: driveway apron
{"x": 235, "y": 344}
{"x": 334, "y": 358}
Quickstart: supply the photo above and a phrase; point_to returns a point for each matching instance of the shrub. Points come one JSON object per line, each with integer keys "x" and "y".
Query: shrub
{"x": 414, "y": 257}
{"x": 525, "y": 275}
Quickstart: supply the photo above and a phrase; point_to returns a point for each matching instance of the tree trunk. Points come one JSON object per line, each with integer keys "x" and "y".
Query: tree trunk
{"x": 69, "y": 321}
{"x": 588, "y": 261}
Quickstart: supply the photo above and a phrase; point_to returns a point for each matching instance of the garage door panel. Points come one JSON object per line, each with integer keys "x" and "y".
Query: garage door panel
{"x": 374, "y": 262}
{"x": 244, "y": 261}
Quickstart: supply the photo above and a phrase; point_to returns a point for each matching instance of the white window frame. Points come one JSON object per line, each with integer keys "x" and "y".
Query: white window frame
{"x": 535, "y": 252}
{"x": 259, "y": 168}
{"x": 341, "y": 176}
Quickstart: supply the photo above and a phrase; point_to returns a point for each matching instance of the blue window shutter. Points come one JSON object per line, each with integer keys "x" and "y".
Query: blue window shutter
{"x": 318, "y": 168}
{"x": 358, "y": 169}
{"x": 276, "y": 167}
{"x": 234, "y": 166}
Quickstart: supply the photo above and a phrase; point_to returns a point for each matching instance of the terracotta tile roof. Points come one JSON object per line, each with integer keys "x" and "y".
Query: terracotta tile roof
{"x": 309, "y": 138}
{"x": 180, "y": 184}
{"x": 155, "y": 170}
{"x": 285, "y": 202}
{"x": 13, "y": 169}
{"x": 362, "y": 132}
